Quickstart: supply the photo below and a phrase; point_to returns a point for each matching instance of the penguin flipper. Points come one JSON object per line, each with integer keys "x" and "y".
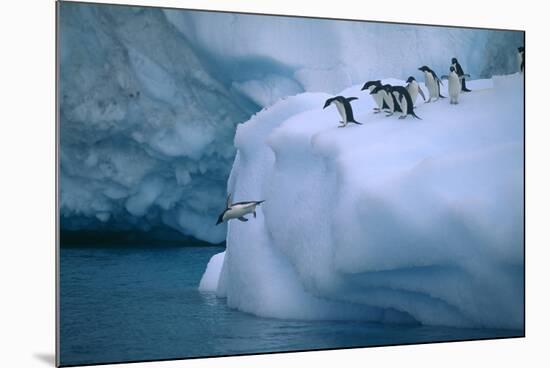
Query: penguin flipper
{"x": 349, "y": 99}
{"x": 421, "y": 93}
{"x": 242, "y": 218}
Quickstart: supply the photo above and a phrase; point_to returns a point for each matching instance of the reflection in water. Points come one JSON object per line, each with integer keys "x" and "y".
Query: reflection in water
{"x": 128, "y": 304}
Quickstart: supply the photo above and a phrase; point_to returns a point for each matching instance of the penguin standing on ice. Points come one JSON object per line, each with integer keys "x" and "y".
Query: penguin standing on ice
{"x": 521, "y": 58}
{"x": 385, "y": 92}
{"x": 460, "y": 73}
{"x": 403, "y": 98}
{"x": 455, "y": 84}
{"x": 238, "y": 210}
{"x": 343, "y": 104}
{"x": 378, "y": 99}
{"x": 432, "y": 83}
{"x": 414, "y": 89}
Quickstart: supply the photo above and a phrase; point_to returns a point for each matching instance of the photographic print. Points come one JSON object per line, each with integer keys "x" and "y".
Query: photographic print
{"x": 233, "y": 183}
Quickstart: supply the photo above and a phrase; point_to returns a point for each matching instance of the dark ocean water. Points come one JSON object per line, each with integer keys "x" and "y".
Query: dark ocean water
{"x": 142, "y": 303}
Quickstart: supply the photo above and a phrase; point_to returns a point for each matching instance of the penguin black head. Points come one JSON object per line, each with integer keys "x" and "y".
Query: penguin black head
{"x": 454, "y": 61}
{"x": 410, "y": 79}
{"x": 377, "y": 89}
{"x": 452, "y": 69}
{"x": 371, "y": 83}
{"x": 424, "y": 68}
{"x": 328, "y": 102}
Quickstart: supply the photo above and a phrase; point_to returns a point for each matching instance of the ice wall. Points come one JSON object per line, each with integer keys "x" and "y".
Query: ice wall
{"x": 149, "y": 99}
{"x": 419, "y": 220}
{"x": 146, "y": 130}
{"x": 328, "y": 56}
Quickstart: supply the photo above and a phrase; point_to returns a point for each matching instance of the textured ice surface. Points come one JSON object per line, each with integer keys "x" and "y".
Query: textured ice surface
{"x": 150, "y": 99}
{"x": 209, "y": 281}
{"x": 400, "y": 220}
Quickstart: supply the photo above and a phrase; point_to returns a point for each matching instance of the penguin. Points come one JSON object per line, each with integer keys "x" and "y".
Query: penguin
{"x": 521, "y": 58}
{"x": 344, "y": 109}
{"x": 455, "y": 84}
{"x": 414, "y": 89}
{"x": 460, "y": 72}
{"x": 378, "y": 100}
{"x": 403, "y": 98}
{"x": 238, "y": 210}
{"x": 432, "y": 83}
{"x": 385, "y": 92}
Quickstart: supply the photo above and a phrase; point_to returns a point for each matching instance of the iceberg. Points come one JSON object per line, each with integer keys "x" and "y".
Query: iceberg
{"x": 405, "y": 221}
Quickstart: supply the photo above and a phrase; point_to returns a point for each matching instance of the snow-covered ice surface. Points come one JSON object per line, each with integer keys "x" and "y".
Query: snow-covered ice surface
{"x": 393, "y": 221}
{"x": 150, "y": 98}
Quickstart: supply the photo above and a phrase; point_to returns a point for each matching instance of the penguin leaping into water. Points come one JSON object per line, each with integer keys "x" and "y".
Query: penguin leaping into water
{"x": 238, "y": 210}
{"x": 432, "y": 83}
{"x": 344, "y": 109}
{"x": 414, "y": 89}
{"x": 460, "y": 73}
{"x": 378, "y": 100}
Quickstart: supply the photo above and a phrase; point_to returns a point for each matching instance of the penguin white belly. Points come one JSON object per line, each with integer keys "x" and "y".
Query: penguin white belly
{"x": 454, "y": 87}
{"x": 378, "y": 100}
{"x": 239, "y": 211}
{"x": 342, "y": 112}
{"x": 431, "y": 85}
{"x": 404, "y": 106}
{"x": 412, "y": 88}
